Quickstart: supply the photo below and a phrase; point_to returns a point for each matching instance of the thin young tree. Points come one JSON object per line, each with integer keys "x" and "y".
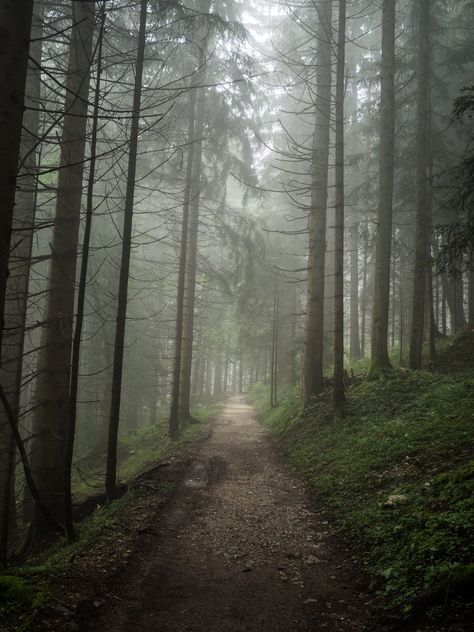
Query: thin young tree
{"x": 203, "y": 34}
{"x": 312, "y": 378}
{"x": 379, "y": 351}
{"x": 117, "y": 370}
{"x": 81, "y": 295}
{"x": 339, "y": 388}
{"x": 422, "y": 238}
{"x": 173, "y": 422}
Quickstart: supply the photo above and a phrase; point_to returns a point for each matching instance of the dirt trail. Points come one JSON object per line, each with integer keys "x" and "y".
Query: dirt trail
{"x": 239, "y": 548}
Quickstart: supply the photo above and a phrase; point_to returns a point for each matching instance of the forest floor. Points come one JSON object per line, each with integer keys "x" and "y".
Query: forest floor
{"x": 239, "y": 545}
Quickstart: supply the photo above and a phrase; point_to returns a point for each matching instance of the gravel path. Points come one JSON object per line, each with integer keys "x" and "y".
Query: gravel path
{"x": 239, "y": 548}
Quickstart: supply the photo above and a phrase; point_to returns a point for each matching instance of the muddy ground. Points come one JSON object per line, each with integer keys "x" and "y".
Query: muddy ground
{"x": 238, "y": 546}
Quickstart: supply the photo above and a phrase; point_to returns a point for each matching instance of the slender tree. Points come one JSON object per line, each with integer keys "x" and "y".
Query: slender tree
{"x": 312, "y": 379}
{"x": 422, "y": 238}
{"x": 354, "y": 343}
{"x": 51, "y": 417}
{"x": 338, "y": 392}
{"x": 117, "y": 370}
{"x": 81, "y": 295}
{"x": 379, "y": 356}
{"x": 173, "y": 423}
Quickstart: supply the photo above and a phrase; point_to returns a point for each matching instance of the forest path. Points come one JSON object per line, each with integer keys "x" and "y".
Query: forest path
{"x": 239, "y": 548}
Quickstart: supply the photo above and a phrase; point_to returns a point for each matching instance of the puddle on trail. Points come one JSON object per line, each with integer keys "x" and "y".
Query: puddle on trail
{"x": 197, "y": 476}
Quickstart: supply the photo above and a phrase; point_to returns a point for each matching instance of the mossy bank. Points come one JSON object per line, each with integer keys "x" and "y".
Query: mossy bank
{"x": 397, "y": 474}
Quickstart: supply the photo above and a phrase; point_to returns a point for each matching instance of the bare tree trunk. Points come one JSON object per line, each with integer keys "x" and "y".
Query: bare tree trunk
{"x": 76, "y": 344}
{"x": 364, "y": 293}
{"x": 312, "y": 378}
{"x": 241, "y": 373}
{"x": 292, "y": 356}
{"x": 18, "y": 278}
{"x": 444, "y": 320}
{"x": 339, "y": 388}
{"x": 422, "y": 219}
{"x": 226, "y": 369}
{"x": 354, "y": 344}
{"x": 184, "y": 408}
{"x": 217, "y": 373}
{"x": 111, "y": 474}
{"x": 454, "y": 292}
{"x": 15, "y": 28}
{"x": 274, "y": 355}
{"x": 190, "y": 276}
{"x": 470, "y": 281}
{"x": 173, "y": 423}
{"x": 55, "y": 359}
{"x": 379, "y": 353}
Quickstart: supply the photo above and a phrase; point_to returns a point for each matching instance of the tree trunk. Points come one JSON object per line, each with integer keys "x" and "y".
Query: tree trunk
{"x": 15, "y": 29}
{"x": 218, "y": 373}
{"x": 470, "y": 281}
{"x": 312, "y": 378}
{"x": 339, "y": 389}
{"x": 76, "y": 344}
{"x": 55, "y": 359}
{"x": 379, "y": 352}
{"x": 190, "y": 274}
{"x": 354, "y": 343}
{"x": 454, "y": 293}
{"x": 226, "y": 369}
{"x": 111, "y": 474}
{"x": 422, "y": 237}
{"x": 184, "y": 408}
{"x": 173, "y": 422}
{"x": 18, "y": 278}
{"x": 364, "y": 293}
{"x": 292, "y": 355}
{"x": 274, "y": 355}
{"x": 241, "y": 373}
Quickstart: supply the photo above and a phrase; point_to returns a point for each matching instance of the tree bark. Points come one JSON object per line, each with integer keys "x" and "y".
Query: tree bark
{"x": 339, "y": 388}
{"x": 117, "y": 370}
{"x": 470, "y": 295}
{"x": 76, "y": 344}
{"x": 379, "y": 345}
{"x": 422, "y": 237}
{"x": 55, "y": 359}
{"x": 15, "y": 30}
{"x": 173, "y": 422}
{"x": 18, "y": 277}
{"x": 354, "y": 342}
{"x": 364, "y": 293}
{"x": 312, "y": 378}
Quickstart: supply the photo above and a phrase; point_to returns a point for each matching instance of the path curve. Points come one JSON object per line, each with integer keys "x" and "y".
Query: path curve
{"x": 240, "y": 548}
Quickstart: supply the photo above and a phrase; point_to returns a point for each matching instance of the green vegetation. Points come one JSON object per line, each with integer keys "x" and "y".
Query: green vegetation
{"x": 18, "y": 595}
{"x": 31, "y": 585}
{"x": 396, "y": 472}
{"x": 137, "y": 450}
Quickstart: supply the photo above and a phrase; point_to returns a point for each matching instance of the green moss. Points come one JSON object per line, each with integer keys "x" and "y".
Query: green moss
{"x": 410, "y": 436}
{"x": 18, "y": 599}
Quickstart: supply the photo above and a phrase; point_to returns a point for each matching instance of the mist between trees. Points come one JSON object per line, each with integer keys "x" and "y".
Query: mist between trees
{"x": 198, "y": 196}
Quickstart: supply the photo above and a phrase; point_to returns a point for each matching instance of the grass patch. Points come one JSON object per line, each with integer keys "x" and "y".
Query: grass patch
{"x": 19, "y": 596}
{"x": 397, "y": 473}
{"x": 31, "y": 585}
{"x": 138, "y": 449}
